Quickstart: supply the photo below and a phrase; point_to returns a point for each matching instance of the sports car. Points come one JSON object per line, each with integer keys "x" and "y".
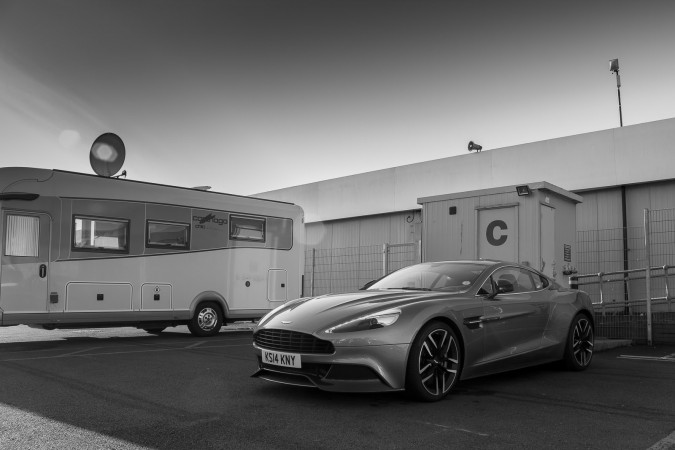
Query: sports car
{"x": 424, "y": 328}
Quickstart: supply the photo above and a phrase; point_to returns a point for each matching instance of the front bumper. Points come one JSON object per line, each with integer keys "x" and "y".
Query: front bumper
{"x": 373, "y": 368}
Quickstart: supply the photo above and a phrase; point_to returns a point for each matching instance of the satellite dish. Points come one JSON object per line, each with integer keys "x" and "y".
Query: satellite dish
{"x": 107, "y": 154}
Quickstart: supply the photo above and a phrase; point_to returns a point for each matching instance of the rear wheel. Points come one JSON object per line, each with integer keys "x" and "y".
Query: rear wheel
{"x": 434, "y": 364}
{"x": 206, "y": 320}
{"x": 580, "y": 341}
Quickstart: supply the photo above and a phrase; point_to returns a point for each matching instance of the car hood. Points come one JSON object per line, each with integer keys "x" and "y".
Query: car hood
{"x": 319, "y": 313}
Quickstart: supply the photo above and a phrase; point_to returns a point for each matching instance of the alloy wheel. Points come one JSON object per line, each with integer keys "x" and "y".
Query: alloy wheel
{"x": 207, "y": 319}
{"x": 582, "y": 342}
{"x": 438, "y": 362}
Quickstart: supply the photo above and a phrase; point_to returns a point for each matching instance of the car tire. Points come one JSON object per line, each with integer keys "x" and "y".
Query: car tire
{"x": 206, "y": 320}
{"x": 579, "y": 346}
{"x": 434, "y": 363}
{"x": 155, "y": 330}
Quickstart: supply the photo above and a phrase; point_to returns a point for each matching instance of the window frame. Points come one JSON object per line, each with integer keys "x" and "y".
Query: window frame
{"x": 187, "y": 227}
{"x": 262, "y": 220}
{"x": 546, "y": 283}
{"x": 127, "y": 228}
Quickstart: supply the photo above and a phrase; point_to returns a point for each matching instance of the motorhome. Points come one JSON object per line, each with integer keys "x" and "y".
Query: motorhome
{"x": 83, "y": 250}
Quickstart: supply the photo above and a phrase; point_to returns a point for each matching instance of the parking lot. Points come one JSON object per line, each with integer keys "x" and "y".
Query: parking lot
{"x": 125, "y": 389}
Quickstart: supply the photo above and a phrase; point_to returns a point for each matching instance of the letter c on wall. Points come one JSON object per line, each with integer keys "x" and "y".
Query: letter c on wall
{"x": 490, "y": 233}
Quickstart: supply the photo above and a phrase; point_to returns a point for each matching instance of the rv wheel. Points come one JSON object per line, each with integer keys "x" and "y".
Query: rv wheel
{"x": 207, "y": 320}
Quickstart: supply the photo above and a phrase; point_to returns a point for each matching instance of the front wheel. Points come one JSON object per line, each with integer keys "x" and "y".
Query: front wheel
{"x": 434, "y": 364}
{"x": 206, "y": 320}
{"x": 579, "y": 347}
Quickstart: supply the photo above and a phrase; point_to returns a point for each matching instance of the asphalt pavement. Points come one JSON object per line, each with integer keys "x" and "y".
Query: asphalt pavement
{"x": 122, "y": 388}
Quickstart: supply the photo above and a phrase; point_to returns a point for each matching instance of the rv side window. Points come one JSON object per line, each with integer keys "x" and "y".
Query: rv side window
{"x": 101, "y": 235}
{"x": 168, "y": 235}
{"x": 247, "y": 228}
{"x": 22, "y": 238}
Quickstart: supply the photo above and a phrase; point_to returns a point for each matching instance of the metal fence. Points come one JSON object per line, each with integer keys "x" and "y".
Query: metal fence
{"x": 631, "y": 301}
{"x": 337, "y": 270}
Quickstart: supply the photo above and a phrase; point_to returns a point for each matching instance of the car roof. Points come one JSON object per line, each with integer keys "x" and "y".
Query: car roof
{"x": 484, "y": 262}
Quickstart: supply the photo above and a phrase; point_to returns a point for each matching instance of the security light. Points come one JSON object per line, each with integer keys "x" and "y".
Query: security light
{"x": 523, "y": 190}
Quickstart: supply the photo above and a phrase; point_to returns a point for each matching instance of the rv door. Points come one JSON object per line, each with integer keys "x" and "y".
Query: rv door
{"x": 25, "y": 262}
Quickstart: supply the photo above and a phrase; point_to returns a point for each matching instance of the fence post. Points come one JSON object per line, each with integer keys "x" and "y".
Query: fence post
{"x": 602, "y": 294}
{"x": 385, "y": 263}
{"x": 648, "y": 280}
{"x": 311, "y": 286}
{"x": 419, "y": 251}
{"x": 668, "y": 297}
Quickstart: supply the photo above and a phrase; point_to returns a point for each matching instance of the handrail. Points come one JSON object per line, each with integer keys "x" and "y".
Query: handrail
{"x": 602, "y": 278}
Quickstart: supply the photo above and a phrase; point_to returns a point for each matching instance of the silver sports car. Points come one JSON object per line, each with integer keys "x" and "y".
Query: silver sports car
{"x": 425, "y": 327}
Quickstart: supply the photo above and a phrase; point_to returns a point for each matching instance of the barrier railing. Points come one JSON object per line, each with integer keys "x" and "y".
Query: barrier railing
{"x": 602, "y": 279}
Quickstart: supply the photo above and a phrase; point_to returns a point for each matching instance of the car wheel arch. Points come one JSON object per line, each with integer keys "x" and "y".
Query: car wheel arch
{"x": 210, "y": 296}
{"x": 589, "y": 316}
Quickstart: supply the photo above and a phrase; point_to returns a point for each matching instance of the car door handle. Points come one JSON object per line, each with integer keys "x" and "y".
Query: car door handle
{"x": 43, "y": 270}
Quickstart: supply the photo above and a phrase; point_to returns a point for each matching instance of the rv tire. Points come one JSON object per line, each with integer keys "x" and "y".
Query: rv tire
{"x": 206, "y": 320}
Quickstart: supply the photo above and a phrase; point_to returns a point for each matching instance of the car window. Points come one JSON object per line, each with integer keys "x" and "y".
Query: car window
{"x": 523, "y": 280}
{"x": 486, "y": 288}
{"x": 436, "y": 276}
{"x": 539, "y": 281}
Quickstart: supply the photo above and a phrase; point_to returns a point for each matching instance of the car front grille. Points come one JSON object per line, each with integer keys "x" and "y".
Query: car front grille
{"x": 291, "y": 341}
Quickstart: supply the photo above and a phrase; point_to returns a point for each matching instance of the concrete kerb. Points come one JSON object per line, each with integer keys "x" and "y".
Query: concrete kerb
{"x": 238, "y": 326}
{"x": 603, "y": 344}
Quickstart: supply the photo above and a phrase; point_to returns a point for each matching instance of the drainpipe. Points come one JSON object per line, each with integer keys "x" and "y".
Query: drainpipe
{"x": 626, "y": 309}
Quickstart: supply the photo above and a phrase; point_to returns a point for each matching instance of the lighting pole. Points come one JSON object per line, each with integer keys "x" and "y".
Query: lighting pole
{"x": 614, "y": 68}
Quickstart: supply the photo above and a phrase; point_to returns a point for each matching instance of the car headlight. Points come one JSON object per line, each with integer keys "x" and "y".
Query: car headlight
{"x": 371, "y": 321}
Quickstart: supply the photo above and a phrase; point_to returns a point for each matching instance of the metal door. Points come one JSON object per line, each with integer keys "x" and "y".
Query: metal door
{"x": 514, "y": 322}
{"x": 277, "y": 280}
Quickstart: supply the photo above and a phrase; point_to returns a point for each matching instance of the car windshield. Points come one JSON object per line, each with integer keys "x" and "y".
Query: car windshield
{"x": 437, "y": 276}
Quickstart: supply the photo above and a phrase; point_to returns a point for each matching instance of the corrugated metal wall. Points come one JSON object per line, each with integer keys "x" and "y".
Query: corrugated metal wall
{"x": 601, "y": 208}
{"x": 396, "y": 228}
{"x": 345, "y": 254}
{"x": 601, "y": 236}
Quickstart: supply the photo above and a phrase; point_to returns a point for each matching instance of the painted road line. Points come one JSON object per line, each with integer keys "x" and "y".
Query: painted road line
{"x": 668, "y": 358}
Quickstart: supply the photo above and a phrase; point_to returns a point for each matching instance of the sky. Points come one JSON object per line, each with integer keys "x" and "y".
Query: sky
{"x": 249, "y": 96}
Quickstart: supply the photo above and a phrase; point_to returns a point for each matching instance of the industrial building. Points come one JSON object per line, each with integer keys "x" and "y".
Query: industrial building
{"x": 611, "y": 177}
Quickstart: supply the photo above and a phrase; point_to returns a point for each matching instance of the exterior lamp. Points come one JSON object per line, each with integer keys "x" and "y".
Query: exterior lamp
{"x": 614, "y": 68}
{"x": 523, "y": 190}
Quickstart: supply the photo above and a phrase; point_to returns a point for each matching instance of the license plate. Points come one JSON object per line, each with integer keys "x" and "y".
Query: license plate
{"x": 281, "y": 359}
